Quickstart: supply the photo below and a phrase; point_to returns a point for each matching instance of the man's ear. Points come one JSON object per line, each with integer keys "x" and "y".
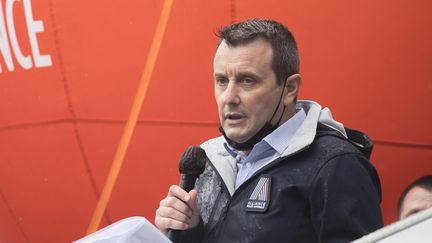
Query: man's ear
{"x": 292, "y": 86}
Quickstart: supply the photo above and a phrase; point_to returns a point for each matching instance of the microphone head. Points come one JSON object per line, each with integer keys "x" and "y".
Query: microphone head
{"x": 193, "y": 161}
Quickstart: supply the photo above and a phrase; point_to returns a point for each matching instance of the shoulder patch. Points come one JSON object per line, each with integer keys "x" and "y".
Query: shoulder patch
{"x": 260, "y": 197}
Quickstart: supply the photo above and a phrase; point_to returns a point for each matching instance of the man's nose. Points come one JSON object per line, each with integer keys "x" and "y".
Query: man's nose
{"x": 231, "y": 94}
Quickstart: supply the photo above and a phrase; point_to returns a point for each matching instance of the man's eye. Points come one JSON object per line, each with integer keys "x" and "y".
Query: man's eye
{"x": 248, "y": 80}
{"x": 221, "y": 81}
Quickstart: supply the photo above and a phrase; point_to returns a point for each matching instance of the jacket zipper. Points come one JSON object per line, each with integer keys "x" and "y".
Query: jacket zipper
{"x": 223, "y": 187}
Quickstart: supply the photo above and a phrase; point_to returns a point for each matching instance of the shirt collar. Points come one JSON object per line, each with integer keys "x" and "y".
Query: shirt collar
{"x": 280, "y": 138}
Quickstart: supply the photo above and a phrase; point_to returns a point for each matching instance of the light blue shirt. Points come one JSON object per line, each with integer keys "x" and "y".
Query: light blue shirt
{"x": 263, "y": 152}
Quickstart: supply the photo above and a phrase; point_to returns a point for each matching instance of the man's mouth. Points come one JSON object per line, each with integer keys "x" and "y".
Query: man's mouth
{"x": 234, "y": 117}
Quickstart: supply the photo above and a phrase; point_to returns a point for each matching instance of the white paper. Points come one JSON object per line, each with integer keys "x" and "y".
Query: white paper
{"x": 128, "y": 230}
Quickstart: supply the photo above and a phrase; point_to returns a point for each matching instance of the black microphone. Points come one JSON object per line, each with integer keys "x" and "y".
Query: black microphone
{"x": 192, "y": 164}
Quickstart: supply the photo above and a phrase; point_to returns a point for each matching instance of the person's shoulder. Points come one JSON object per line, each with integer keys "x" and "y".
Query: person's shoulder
{"x": 333, "y": 142}
{"x": 350, "y": 140}
{"x": 215, "y": 149}
{"x": 350, "y": 151}
{"x": 213, "y": 143}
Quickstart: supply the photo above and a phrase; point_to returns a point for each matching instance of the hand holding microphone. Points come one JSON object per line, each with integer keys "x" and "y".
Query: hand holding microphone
{"x": 178, "y": 210}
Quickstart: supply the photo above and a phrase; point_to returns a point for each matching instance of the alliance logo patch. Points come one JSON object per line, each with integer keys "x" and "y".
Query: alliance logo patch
{"x": 260, "y": 197}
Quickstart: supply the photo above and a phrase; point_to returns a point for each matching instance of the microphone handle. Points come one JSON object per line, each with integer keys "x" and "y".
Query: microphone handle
{"x": 187, "y": 183}
{"x": 174, "y": 235}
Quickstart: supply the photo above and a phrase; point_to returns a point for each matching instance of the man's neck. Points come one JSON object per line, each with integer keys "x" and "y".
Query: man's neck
{"x": 288, "y": 114}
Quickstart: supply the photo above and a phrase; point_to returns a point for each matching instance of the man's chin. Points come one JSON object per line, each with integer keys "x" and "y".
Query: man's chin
{"x": 236, "y": 138}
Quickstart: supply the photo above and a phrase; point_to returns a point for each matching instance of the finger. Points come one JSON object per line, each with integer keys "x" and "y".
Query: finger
{"x": 167, "y": 223}
{"x": 177, "y": 204}
{"x": 176, "y": 191}
{"x": 192, "y": 201}
{"x": 172, "y": 213}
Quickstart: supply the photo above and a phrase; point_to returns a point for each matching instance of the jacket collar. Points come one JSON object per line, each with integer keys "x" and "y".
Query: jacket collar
{"x": 225, "y": 163}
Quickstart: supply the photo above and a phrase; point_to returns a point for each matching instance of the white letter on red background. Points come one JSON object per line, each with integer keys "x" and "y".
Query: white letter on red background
{"x": 24, "y": 61}
{"x": 33, "y": 28}
{"x": 4, "y": 44}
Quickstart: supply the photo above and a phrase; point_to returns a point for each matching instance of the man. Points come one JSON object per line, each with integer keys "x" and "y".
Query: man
{"x": 283, "y": 171}
{"x": 416, "y": 197}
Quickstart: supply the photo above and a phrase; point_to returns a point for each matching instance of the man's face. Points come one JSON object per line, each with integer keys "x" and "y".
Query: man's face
{"x": 417, "y": 199}
{"x": 246, "y": 90}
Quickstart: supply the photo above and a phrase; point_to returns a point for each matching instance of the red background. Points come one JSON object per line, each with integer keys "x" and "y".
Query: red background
{"x": 369, "y": 61}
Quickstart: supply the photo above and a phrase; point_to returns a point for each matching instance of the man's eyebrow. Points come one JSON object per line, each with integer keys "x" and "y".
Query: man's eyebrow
{"x": 239, "y": 75}
{"x": 219, "y": 75}
{"x": 248, "y": 74}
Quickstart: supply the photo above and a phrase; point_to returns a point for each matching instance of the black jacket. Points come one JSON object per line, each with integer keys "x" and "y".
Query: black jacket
{"x": 327, "y": 191}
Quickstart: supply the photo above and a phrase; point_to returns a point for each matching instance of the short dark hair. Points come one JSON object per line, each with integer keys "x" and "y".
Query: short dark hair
{"x": 424, "y": 182}
{"x": 285, "y": 53}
